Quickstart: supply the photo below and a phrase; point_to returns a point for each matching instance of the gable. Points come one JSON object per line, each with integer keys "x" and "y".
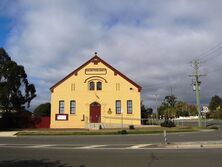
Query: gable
{"x": 95, "y": 60}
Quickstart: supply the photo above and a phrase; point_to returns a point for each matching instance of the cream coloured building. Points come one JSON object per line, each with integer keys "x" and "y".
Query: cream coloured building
{"x": 95, "y": 94}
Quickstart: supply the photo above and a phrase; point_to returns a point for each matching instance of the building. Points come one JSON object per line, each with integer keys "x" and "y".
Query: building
{"x": 95, "y": 94}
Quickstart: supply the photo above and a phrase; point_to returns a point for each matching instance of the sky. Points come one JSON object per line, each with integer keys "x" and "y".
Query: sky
{"x": 151, "y": 41}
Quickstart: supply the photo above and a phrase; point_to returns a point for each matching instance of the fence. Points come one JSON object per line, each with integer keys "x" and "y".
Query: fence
{"x": 22, "y": 120}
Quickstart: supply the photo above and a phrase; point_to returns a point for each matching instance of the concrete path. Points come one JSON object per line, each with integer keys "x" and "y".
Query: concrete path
{"x": 8, "y": 133}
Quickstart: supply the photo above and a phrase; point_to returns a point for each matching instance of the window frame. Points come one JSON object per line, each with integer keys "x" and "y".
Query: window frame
{"x": 72, "y": 108}
{"x": 129, "y": 105}
{"x": 91, "y": 87}
{"x": 97, "y": 85}
{"x": 61, "y": 106}
{"x": 118, "y": 106}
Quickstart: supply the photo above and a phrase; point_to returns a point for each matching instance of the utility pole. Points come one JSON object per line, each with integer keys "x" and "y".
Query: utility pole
{"x": 172, "y": 98}
{"x": 171, "y": 91}
{"x": 196, "y": 86}
{"x": 157, "y": 116}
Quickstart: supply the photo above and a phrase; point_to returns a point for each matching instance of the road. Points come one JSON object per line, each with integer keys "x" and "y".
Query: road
{"x": 108, "y": 151}
{"x": 114, "y": 139}
{"x": 109, "y": 158}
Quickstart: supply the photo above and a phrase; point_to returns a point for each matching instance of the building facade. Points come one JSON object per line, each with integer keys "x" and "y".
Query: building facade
{"x": 95, "y": 94}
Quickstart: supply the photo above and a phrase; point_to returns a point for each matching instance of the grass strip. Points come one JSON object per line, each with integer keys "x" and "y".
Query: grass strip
{"x": 107, "y": 132}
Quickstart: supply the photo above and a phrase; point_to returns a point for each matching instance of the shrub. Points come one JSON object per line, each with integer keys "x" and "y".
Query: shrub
{"x": 215, "y": 114}
{"x": 100, "y": 127}
{"x": 131, "y": 127}
{"x": 123, "y": 132}
{"x": 214, "y": 127}
{"x": 168, "y": 123}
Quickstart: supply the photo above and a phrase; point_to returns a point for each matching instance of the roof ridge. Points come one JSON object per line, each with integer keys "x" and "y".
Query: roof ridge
{"x": 96, "y": 59}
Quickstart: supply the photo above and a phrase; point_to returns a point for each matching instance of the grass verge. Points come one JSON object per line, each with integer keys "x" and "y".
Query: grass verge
{"x": 148, "y": 130}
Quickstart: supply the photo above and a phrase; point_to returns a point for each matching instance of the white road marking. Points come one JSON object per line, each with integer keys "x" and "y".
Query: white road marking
{"x": 40, "y": 146}
{"x": 92, "y": 146}
{"x": 118, "y": 147}
{"x": 138, "y": 146}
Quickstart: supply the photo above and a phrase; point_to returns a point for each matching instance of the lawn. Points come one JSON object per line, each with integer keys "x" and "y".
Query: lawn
{"x": 147, "y": 130}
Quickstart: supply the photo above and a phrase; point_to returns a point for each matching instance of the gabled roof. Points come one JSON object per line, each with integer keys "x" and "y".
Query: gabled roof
{"x": 96, "y": 60}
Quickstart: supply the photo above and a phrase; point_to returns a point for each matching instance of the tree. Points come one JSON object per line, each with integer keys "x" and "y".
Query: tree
{"x": 42, "y": 110}
{"x": 170, "y": 108}
{"x": 149, "y": 111}
{"x": 15, "y": 90}
{"x": 215, "y": 107}
{"x": 215, "y": 102}
{"x": 170, "y": 100}
{"x": 162, "y": 110}
{"x": 167, "y": 107}
{"x": 185, "y": 110}
{"x": 145, "y": 113}
{"x": 192, "y": 109}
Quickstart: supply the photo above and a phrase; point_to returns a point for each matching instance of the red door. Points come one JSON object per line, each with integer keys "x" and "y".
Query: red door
{"x": 95, "y": 112}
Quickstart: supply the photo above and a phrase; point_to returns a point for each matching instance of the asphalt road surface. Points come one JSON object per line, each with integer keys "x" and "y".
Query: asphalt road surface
{"x": 109, "y": 158}
{"x": 113, "y": 151}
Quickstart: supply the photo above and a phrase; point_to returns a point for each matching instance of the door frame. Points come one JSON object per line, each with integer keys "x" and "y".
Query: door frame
{"x": 94, "y": 112}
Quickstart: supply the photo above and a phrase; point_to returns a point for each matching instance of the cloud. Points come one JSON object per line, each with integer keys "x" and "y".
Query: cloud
{"x": 152, "y": 42}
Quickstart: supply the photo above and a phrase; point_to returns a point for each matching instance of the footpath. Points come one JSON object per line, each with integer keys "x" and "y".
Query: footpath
{"x": 8, "y": 133}
{"x": 190, "y": 145}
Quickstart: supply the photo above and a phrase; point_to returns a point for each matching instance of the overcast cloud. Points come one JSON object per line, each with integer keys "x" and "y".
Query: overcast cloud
{"x": 151, "y": 41}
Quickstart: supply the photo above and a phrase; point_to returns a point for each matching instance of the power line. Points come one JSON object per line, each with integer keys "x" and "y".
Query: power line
{"x": 216, "y": 66}
{"x": 210, "y": 51}
{"x": 213, "y": 55}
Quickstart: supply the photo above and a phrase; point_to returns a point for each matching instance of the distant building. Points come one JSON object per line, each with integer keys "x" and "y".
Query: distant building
{"x": 95, "y": 94}
{"x": 205, "y": 109}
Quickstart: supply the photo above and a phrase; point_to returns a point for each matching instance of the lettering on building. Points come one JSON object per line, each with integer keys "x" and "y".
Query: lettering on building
{"x": 95, "y": 71}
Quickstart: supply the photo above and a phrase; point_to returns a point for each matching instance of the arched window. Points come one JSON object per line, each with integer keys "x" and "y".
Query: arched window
{"x": 99, "y": 85}
{"x": 91, "y": 85}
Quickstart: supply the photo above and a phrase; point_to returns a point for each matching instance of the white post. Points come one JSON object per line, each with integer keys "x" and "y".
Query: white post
{"x": 165, "y": 136}
{"x": 122, "y": 119}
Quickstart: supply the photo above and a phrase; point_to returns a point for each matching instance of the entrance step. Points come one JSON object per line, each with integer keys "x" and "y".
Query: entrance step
{"x": 115, "y": 125}
{"x": 96, "y": 126}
